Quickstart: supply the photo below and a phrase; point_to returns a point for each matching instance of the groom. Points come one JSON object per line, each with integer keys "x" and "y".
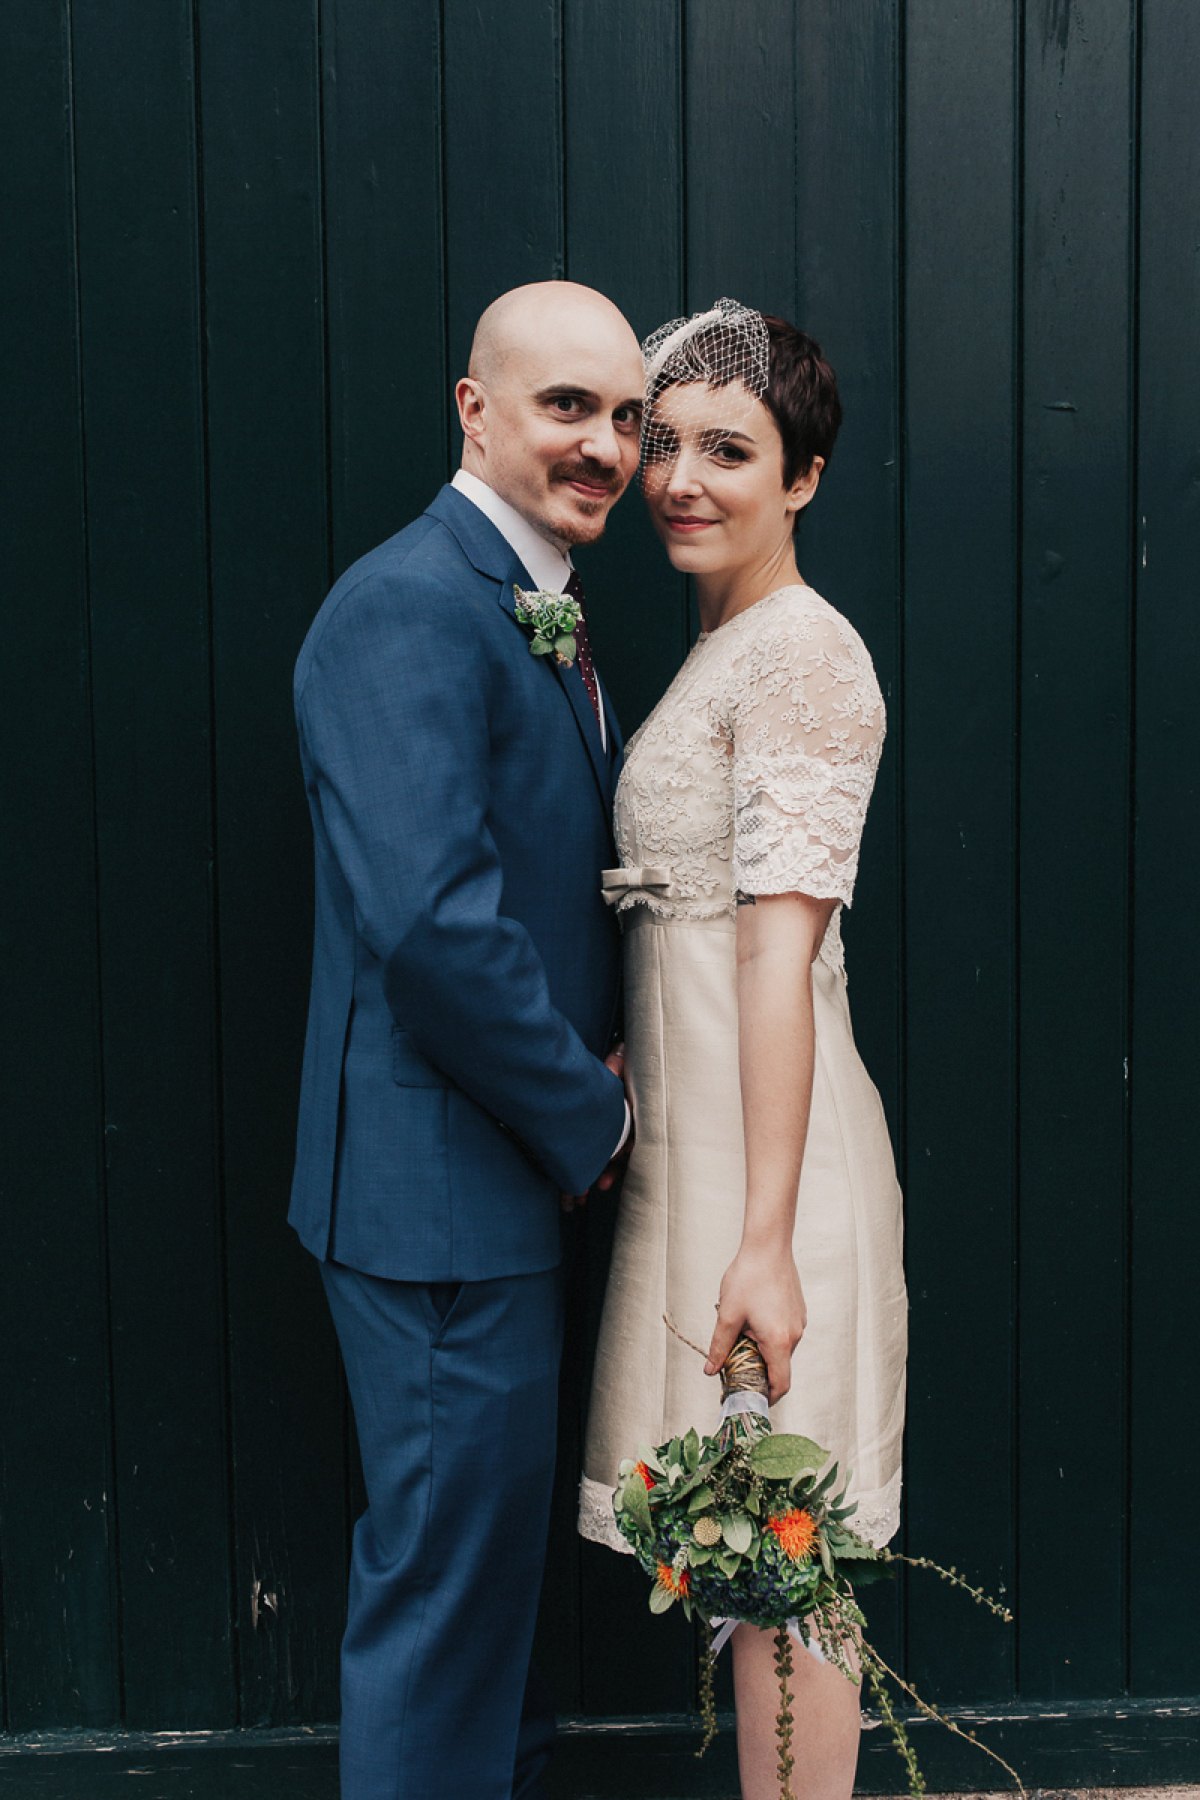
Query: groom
{"x": 464, "y": 992}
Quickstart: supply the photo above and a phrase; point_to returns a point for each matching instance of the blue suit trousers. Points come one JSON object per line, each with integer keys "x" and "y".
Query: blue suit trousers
{"x": 455, "y": 1390}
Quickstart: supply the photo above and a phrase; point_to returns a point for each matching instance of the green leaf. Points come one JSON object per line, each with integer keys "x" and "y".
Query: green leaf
{"x": 737, "y": 1531}
{"x": 826, "y": 1557}
{"x": 727, "y": 1562}
{"x": 823, "y": 1486}
{"x": 565, "y": 646}
{"x": 699, "y": 1555}
{"x": 876, "y": 1570}
{"x": 752, "y": 1503}
{"x": 661, "y": 1599}
{"x": 691, "y": 1451}
{"x": 540, "y": 646}
{"x": 854, "y": 1550}
{"x": 635, "y": 1503}
{"x": 701, "y": 1497}
{"x": 783, "y": 1456}
{"x": 704, "y": 1474}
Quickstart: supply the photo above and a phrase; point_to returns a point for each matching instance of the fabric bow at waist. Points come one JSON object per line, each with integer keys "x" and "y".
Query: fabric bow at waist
{"x": 616, "y": 883}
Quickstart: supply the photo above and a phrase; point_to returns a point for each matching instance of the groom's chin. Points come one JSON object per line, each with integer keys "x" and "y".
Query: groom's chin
{"x": 584, "y": 524}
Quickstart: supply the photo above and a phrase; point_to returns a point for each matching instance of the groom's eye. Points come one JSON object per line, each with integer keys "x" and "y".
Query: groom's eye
{"x": 567, "y": 404}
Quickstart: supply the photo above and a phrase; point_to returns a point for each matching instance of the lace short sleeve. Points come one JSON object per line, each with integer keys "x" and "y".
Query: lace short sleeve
{"x": 805, "y": 721}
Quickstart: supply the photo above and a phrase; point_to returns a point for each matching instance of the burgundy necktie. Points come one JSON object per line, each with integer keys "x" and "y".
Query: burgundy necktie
{"x": 583, "y": 648}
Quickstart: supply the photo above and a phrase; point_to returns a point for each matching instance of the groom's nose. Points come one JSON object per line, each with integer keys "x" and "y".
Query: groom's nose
{"x": 601, "y": 444}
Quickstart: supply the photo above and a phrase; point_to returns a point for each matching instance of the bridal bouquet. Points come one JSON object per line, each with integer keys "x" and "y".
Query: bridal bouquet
{"x": 753, "y": 1527}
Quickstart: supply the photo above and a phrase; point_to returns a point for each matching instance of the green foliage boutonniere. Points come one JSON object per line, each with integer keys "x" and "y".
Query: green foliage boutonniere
{"x": 552, "y": 619}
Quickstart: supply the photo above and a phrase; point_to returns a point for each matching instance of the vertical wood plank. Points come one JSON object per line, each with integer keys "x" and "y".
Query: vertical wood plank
{"x": 1074, "y": 796}
{"x": 960, "y": 794}
{"x": 845, "y": 294}
{"x": 741, "y": 156}
{"x": 849, "y": 546}
{"x": 260, "y": 114}
{"x": 624, "y": 137}
{"x": 135, "y": 112}
{"x": 1165, "y": 1590}
{"x": 59, "y": 1625}
{"x": 383, "y": 205}
{"x": 502, "y": 98}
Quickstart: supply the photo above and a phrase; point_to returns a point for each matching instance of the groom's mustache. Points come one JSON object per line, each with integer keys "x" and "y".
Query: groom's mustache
{"x": 592, "y": 473}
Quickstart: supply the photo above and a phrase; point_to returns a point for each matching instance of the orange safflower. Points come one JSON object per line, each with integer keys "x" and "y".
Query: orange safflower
{"x": 673, "y": 1583}
{"x": 647, "y": 1477}
{"x": 797, "y": 1534}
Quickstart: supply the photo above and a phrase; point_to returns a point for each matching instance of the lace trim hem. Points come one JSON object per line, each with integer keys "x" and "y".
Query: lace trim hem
{"x": 596, "y": 1521}
{"x": 878, "y": 1515}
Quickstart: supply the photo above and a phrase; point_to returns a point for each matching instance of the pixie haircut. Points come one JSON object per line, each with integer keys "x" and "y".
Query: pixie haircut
{"x": 732, "y": 345}
{"x": 802, "y": 398}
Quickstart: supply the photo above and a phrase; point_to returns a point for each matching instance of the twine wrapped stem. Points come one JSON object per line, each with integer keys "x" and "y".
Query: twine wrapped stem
{"x": 744, "y": 1370}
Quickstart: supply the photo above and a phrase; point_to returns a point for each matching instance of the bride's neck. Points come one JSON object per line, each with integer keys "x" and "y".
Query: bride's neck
{"x": 723, "y": 593}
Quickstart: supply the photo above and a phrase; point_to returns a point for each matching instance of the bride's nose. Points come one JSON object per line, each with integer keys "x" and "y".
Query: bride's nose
{"x": 684, "y": 477}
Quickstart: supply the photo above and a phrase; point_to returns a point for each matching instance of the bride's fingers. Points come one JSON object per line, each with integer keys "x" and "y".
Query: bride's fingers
{"x": 723, "y": 1340}
{"x": 779, "y": 1373}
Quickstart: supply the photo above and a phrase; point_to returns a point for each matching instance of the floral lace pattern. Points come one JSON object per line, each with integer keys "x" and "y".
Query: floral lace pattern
{"x": 754, "y": 771}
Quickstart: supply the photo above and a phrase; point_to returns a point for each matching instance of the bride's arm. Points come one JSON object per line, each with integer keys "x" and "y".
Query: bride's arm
{"x": 778, "y": 937}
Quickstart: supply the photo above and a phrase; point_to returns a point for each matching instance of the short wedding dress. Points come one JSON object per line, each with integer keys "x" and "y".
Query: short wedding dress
{"x": 751, "y": 775}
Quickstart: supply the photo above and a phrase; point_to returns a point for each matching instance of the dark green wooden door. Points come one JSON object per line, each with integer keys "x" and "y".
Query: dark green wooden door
{"x": 243, "y": 253}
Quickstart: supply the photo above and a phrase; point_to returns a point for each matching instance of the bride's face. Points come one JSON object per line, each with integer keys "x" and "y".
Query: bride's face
{"x": 713, "y": 480}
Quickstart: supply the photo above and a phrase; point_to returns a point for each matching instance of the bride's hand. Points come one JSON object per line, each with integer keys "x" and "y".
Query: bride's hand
{"x": 761, "y": 1296}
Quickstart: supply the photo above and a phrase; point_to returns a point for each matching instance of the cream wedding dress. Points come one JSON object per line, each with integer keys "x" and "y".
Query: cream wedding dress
{"x": 752, "y": 774}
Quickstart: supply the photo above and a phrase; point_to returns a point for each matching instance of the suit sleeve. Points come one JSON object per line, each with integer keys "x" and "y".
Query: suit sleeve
{"x": 392, "y": 711}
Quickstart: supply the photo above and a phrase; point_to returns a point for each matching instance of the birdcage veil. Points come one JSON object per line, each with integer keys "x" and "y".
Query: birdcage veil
{"x": 727, "y": 349}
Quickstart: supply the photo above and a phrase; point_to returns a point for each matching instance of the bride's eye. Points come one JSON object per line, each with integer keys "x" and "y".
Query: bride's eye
{"x": 729, "y": 453}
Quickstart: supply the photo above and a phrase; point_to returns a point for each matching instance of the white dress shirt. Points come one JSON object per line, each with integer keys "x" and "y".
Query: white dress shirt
{"x": 547, "y": 566}
{"x": 546, "y": 563}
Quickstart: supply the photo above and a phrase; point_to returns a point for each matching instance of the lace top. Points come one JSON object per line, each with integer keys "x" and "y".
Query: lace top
{"x": 754, "y": 771}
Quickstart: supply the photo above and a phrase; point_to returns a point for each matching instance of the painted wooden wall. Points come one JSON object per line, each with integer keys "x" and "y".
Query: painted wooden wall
{"x": 243, "y": 253}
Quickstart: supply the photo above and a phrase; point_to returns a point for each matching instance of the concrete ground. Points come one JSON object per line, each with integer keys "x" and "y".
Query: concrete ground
{"x": 1146, "y": 1793}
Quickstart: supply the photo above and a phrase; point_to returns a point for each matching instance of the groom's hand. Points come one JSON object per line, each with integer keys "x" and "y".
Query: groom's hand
{"x": 615, "y": 1060}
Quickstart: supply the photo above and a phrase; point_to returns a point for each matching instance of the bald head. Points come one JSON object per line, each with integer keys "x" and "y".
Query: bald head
{"x": 526, "y": 319}
{"x": 551, "y": 406}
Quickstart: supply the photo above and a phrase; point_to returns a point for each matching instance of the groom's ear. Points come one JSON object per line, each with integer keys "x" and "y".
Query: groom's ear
{"x": 472, "y": 408}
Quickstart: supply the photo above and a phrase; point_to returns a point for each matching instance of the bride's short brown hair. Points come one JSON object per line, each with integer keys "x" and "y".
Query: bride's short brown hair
{"x": 802, "y": 397}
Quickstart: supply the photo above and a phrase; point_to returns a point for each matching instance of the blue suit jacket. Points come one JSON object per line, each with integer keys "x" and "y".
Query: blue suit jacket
{"x": 465, "y": 967}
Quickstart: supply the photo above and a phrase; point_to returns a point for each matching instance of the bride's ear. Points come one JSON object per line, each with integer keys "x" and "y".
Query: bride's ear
{"x": 804, "y": 486}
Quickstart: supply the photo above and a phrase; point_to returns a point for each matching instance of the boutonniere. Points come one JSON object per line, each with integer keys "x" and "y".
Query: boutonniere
{"x": 552, "y": 619}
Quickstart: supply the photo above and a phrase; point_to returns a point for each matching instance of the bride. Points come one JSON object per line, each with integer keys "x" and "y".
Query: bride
{"x": 762, "y": 1178}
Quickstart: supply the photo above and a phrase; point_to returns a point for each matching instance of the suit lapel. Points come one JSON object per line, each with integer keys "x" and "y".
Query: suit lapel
{"x": 616, "y": 743}
{"x": 571, "y": 682}
{"x": 491, "y": 553}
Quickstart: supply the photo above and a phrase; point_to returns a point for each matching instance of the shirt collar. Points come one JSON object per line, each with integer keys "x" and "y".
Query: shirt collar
{"x": 548, "y": 567}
